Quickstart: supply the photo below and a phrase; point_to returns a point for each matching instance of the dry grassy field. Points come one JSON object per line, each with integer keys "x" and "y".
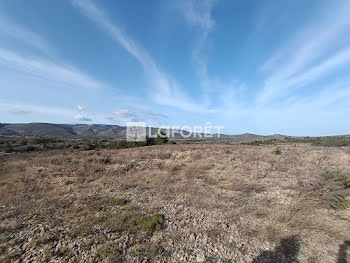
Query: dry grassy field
{"x": 176, "y": 203}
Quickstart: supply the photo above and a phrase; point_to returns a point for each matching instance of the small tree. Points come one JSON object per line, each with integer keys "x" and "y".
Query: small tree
{"x": 161, "y": 138}
{"x": 8, "y": 148}
{"x": 150, "y": 141}
{"x": 89, "y": 147}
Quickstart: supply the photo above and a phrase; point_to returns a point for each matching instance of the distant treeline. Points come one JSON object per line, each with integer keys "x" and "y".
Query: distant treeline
{"x": 22, "y": 144}
{"x": 123, "y": 144}
{"x": 330, "y": 141}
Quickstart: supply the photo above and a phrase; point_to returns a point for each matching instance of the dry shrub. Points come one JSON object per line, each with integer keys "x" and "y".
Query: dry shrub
{"x": 174, "y": 168}
{"x": 164, "y": 155}
{"x": 103, "y": 160}
{"x": 248, "y": 188}
{"x": 196, "y": 156}
{"x": 301, "y": 213}
{"x": 60, "y": 160}
{"x": 196, "y": 169}
{"x": 210, "y": 179}
{"x": 161, "y": 179}
{"x": 271, "y": 220}
{"x": 338, "y": 185}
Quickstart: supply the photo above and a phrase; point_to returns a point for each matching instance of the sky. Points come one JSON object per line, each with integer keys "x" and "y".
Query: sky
{"x": 263, "y": 67}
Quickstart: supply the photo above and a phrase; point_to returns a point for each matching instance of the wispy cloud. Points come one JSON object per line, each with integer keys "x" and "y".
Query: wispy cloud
{"x": 165, "y": 90}
{"x": 310, "y": 55}
{"x": 124, "y": 114}
{"x": 198, "y": 14}
{"x": 45, "y": 69}
{"x": 154, "y": 114}
{"x": 275, "y": 88}
{"x": 10, "y": 106}
{"x": 336, "y": 95}
{"x": 121, "y": 116}
{"x": 19, "y": 111}
{"x": 32, "y": 39}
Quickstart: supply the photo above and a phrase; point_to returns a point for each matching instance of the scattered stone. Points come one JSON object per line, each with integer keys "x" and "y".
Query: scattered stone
{"x": 192, "y": 237}
{"x": 200, "y": 257}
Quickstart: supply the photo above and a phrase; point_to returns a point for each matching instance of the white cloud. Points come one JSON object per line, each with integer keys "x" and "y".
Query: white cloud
{"x": 165, "y": 90}
{"x": 121, "y": 116}
{"x": 45, "y": 69}
{"x": 81, "y": 107}
{"x": 80, "y": 117}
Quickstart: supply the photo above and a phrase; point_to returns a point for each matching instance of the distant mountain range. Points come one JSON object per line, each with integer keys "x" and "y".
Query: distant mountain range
{"x": 100, "y": 131}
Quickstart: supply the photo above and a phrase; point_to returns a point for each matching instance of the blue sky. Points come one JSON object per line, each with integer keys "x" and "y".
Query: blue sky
{"x": 251, "y": 66}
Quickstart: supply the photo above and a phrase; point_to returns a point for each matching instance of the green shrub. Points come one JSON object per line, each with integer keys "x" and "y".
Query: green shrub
{"x": 277, "y": 151}
{"x": 109, "y": 251}
{"x": 339, "y": 177}
{"x": 8, "y": 148}
{"x": 89, "y": 147}
{"x": 338, "y": 184}
{"x": 161, "y": 138}
{"x": 121, "y": 201}
{"x": 45, "y": 140}
{"x": 98, "y": 203}
{"x": 29, "y": 148}
{"x": 99, "y": 145}
{"x": 10, "y": 257}
{"x": 106, "y": 160}
{"x": 150, "y": 141}
{"x": 133, "y": 222}
{"x": 125, "y": 144}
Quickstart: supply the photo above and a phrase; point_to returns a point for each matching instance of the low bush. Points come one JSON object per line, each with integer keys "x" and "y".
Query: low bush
{"x": 45, "y": 140}
{"x": 89, "y": 147}
{"x": 161, "y": 138}
{"x": 339, "y": 177}
{"x": 29, "y": 148}
{"x": 133, "y": 222}
{"x": 277, "y": 151}
{"x": 338, "y": 184}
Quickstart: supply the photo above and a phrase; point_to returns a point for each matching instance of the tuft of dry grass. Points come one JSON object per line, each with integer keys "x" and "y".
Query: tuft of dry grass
{"x": 196, "y": 169}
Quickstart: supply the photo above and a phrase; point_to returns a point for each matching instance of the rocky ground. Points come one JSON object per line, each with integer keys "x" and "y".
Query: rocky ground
{"x": 176, "y": 203}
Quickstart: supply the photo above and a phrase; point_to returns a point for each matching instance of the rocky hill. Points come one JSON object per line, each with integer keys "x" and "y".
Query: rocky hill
{"x": 86, "y": 131}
